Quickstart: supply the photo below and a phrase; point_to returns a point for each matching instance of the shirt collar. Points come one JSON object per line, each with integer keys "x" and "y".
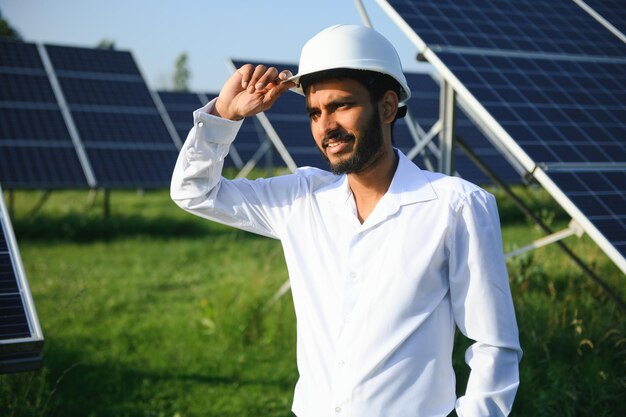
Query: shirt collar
{"x": 408, "y": 185}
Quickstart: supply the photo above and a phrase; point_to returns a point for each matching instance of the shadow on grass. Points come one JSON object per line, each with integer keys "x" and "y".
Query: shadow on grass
{"x": 70, "y": 385}
{"x": 89, "y": 228}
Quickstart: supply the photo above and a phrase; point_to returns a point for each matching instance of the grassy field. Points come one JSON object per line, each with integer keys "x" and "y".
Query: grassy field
{"x": 153, "y": 312}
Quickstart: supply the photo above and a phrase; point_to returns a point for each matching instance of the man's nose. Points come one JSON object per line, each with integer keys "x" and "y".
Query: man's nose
{"x": 326, "y": 123}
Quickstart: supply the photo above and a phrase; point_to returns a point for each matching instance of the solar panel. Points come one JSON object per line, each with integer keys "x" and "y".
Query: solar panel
{"x": 36, "y": 149}
{"x": 557, "y": 110}
{"x": 21, "y": 338}
{"x": 125, "y": 136}
{"x": 601, "y": 196}
{"x": 539, "y": 26}
{"x": 549, "y": 81}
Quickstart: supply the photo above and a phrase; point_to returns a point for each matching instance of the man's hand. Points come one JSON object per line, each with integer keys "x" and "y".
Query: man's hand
{"x": 251, "y": 90}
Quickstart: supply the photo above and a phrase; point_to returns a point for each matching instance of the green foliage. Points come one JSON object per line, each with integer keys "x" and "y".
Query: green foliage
{"x": 182, "y": 73}
{"x": 106, "y": 44}
{"x": 154, "y": 312}
{"x": 7, "y": 32}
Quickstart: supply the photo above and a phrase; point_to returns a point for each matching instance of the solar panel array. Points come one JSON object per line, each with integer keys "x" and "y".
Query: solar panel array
{"x": 20, "y": 335}
{"x": 36, "y": 149}
{"x": 77, "y": 117}
{"x": 554, "y": 78}
{"x": 289, "y": 119}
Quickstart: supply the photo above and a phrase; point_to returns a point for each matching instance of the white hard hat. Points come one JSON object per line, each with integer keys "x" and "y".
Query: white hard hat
{"x": 352, "y": 47}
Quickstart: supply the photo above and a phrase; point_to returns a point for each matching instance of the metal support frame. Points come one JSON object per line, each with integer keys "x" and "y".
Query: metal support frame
{"x": 572, "y": 229}
{"x": 447, "y": 116}
{"x": 106, "y": 203}
{"x": 364, "y": 16}
{"x": 43, "y": 197}
{"x": 249, "y": 166}
{"x": 615, "y": 31}
{"x": 67, "y": 116}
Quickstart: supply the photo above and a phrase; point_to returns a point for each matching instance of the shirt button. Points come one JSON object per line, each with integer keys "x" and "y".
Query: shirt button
{"x": 341, "y": 364}
{"x": 353, "y": 275}
{"x": 200, "y": 124}
{"x": 337, "y": 409}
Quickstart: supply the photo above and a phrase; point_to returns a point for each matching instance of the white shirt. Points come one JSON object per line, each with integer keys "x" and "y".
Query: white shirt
{"x": 376, "y": 303}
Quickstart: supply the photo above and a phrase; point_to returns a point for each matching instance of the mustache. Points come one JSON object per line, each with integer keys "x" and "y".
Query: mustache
{"x": 336, "y": 135}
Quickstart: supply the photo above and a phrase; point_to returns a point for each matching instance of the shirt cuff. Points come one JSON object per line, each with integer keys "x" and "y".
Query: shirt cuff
{"x": 214, "y": 129}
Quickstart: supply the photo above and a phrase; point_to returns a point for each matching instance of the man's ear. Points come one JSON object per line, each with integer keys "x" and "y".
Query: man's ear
{"x": 389, "y": 106}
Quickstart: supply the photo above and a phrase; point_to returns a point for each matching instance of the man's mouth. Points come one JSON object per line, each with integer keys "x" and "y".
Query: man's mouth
{"x": 338, "y": 144}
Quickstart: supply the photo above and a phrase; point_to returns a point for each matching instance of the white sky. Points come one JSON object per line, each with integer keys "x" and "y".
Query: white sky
{"x": 209, "y": 31}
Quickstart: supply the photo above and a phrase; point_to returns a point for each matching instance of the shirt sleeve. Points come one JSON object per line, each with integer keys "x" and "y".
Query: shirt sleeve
{"x": 483, "y": 308}
{"x": 197, "y": 184}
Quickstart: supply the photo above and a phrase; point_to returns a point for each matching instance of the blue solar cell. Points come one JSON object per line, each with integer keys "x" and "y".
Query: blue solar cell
{"x": 550, "y": 120}
{"x": 538, "y": 26}
{"x": 23, "y": 88}
{"x": 24, "y": 125}
{"x": 35, "y": 146}
{"x": 19, "y": 55}
{"x": 95, "y": 92}
{"x": 13, "y": 321}
{"x": 8, "y": 283}
{"x": 66, "y": 58}
{"x": 40, "y": 167}
{"x": 133, "y": 168}
{"x": 601, "y": 196}
{"x": 179, "y": 100}
{"x": 121, "y": 127}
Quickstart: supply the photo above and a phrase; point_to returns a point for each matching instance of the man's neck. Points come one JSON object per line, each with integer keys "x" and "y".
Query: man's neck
{"x": 369, "y": 186}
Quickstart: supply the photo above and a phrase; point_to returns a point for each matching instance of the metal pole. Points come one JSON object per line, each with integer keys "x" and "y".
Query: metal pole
{"x": 364, "y": 16}
{"x": 447, "y": 115}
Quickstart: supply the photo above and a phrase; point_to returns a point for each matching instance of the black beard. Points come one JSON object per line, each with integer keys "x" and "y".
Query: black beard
{"x": 366, "y": 152}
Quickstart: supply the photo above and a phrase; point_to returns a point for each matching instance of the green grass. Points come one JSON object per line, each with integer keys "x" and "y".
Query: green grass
{"x": 154, "y": 312}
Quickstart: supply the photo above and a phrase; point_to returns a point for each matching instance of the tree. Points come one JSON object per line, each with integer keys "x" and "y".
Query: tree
{"x": 106, "y": 44}
{"x": 7, "y": 32}
{"x": 181, "y": 73}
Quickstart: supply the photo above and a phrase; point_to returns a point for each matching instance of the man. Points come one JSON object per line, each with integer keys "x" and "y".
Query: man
{"x": 384, "y": 259}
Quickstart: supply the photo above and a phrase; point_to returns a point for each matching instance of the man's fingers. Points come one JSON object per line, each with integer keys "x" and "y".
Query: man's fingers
{"x": 278, "y": 91}
{"x": 259, "y": 71}
{"x": 284, "y": 75}
{"x": 270, "y": 76}
{"x": 246, "y": 72}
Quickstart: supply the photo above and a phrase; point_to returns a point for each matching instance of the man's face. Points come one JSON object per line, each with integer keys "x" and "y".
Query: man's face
{"x": 345, "y": 124}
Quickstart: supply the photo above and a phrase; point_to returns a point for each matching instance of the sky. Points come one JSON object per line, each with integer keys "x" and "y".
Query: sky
{"x": 209, "y": 31}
